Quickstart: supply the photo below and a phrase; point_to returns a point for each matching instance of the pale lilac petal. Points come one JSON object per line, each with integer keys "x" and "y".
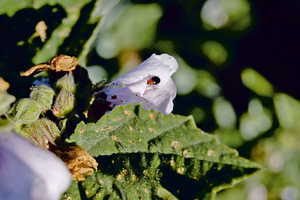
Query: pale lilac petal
{"x": 135, "y": 99}
{"x": 160, "y": 100}
{"x": 118, "y": 95}
{"x": 29, "y": 172}
{"x": 170, "y": 87}
{"x": 162, "y": 66}
{"x": 154, "y": 100}
{"x": 170, "y": 61}
{"x": 151, "y": 66}
{"x": 133, "y": 86}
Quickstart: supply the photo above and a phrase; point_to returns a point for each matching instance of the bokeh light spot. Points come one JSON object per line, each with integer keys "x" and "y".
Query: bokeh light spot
{"x": 207, "y": 85}
{"x": 96, "y": 73}
{"x": 287, "y": 110}
{"x": 198, "y": 114}
{"x": 257, "y": 120}
{"x": 257, "y": 83}
{"x": 224, "y": 113}
{"x": 185, "y": 78}
{"x": 215, "y": 52}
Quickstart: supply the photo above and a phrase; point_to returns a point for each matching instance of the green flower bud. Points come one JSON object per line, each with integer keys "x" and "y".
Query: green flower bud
{"x": 43, "y": 95}
{"x": 40, "y": 132}
{"x": 66, "y": 82}
{"x": 64, "y": 104}
{"x": 25, "y": 111}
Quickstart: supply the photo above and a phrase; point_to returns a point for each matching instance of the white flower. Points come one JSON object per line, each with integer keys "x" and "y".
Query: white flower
{"x": 150, "y": 84}
{"x": 28, "y": 172}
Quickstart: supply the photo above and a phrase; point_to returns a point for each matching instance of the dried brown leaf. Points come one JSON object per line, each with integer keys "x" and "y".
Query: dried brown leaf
{"x": 64, "y": 63}
{"x": 41, "y": 30}
{"x": 77, "y": 160}
{"x": 57, "y": 64}
{"x": 3, "y": 85}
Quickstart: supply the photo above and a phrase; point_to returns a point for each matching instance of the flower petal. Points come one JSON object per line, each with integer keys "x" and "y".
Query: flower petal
{"x": 153, "y": 99}
{"x": 160, "y": 100}
{"x": 29, "y": 172}
{"x": 170, "y": 87}
{"x": 150, "y": 84}
{"x": 162, "y": 66}
{"x": 170, "y": 61}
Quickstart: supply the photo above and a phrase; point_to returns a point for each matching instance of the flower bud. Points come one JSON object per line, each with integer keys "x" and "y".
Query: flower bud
{"x": 66, "y": 82}
{"x": 25, "y": 111}
{"x": 43, "y": 96}
{"x": 40, "y": 132}
{"x": 64, "y": 104}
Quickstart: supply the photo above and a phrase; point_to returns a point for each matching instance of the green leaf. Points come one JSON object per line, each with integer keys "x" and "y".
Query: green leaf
{"x": 5, "y": 101}
{"x": 72, "y": 192}
{"x": 8, "y": 8}
{"x": 162, "y": 151}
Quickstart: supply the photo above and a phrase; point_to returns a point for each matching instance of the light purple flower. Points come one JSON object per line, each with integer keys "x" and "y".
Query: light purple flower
{"x": 28, "y": 172}
{"x": 134, "y": 87}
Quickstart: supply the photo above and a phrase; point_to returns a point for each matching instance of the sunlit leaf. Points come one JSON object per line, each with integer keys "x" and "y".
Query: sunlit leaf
{"x": 72, "y": 193}
{"x": 131, "y": 142}
{"x": 63, "y": 31}
{"x": 5, "y": 101}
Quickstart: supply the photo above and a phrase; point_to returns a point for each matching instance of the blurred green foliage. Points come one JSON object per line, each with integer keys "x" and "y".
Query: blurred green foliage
{"x": 112, "y": 37}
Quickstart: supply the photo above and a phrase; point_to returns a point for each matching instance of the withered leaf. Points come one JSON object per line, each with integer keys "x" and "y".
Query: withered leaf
{"x": 40, "y": 30}
{"x": 64, "y": 63}
{"x": 57, "y": 64}
{"x": 3, "y": 85}
{"x": 77, "y": 160}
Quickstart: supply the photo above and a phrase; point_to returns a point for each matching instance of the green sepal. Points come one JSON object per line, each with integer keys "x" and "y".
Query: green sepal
{"x": 43, "y": 95}
{"x": 64, "y": 104}
{"x": 40, "y": 132}
{"x": 66, "y": 82}
{"x": 24, "y": 111}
